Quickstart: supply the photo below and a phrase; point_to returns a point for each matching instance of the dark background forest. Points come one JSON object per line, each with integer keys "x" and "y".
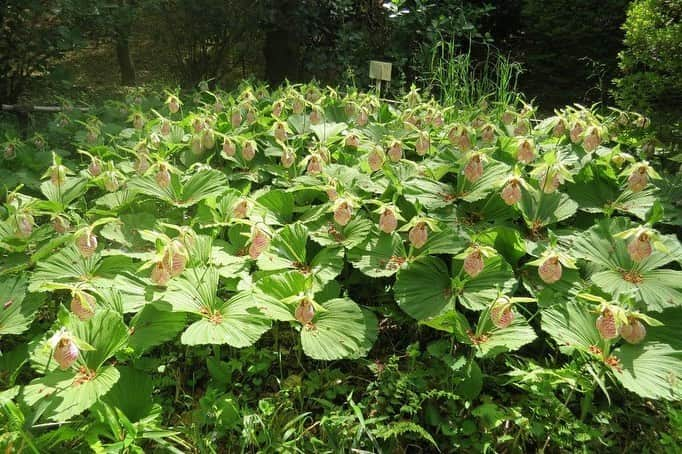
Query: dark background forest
{"x": 578, "y": 51}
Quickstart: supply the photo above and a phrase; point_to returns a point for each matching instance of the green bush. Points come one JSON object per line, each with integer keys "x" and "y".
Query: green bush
{"x": 651, "y": 63}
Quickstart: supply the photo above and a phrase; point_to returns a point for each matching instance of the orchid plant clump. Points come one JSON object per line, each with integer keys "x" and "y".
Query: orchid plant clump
{"x": 215, "y": 218}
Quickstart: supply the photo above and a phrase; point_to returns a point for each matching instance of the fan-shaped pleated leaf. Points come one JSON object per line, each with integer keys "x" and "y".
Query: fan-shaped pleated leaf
{"x": 380, "y": 256}
{"x": 338, "y": 332}
{"x": 237, "y": 322}
{"x": 64, "y": 394}
{"x": 17, "y": 308}
{"x": 422, "y": 288}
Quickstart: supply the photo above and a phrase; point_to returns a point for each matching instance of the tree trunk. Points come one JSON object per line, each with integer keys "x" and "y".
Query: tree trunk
{"x": 125, "y": 61}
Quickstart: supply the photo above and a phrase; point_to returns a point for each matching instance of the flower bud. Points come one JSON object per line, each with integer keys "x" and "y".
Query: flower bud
{"x": 87, "y": 244}
{"x": 60, "y": 225}
{"x": 511, "y": 193}
{"x": 576, "y": 132}
{"x": 288, "y": 158}
{"x": 376, "y": 158}
{"x": 423, "y": 143}
{"x": 280, "y": 131}
{"x": 501, "y": 315}
{"x": 163, "y": 177}
{"x": 592, "y": 139}
{"x": 259, "y": 242}
{"x": 387, "y": 221}
{"x": 526, "y": 152}
{"x": 24, "y": 225}
{"x": 277, "y": 109}
{"x": 175, "y": 258}
{"x": 314, "y": 165}
{"x": 606, "y": 325}
{"x": 236, "y": 118}
{"x": 419, "y": 234}
{"x": 298, "y": 106}
{"x": 173, "y": 104}
{"x": 229, "y": 149}
{"x": 363, "y": 117}
{"x": 550, "y": 271}
{"x": 160, "y": 274}
{"x": 249, "y": 150}
{"x": 207, "y": 140}
{"x": 83, "y": 305}
{"x": 65, "y": 352}
{"x": 141, "y": 164}
{"x": 352, "y": 140}
{"x": 639, "y": 248}
{"x": 305, "y": 312}
{"x": 548, "y": 187}
{"x": 639, "y": 179}
{"x": 138, "y": 121}
{"x": 240, "y": 209}
{"x": 474, "y": 169}
{"x": 195, "y": 145}
{"x": 95, "y": 167}
{"x": 395, "y": 151}
{"x": 473, "y": 263}
{"x": 343, "y": 213}
{"x": 634, "y": 332}
{"x": 315, "y": 116}
{"x": 488, "y": 134}
{"x": 559, "y": 129}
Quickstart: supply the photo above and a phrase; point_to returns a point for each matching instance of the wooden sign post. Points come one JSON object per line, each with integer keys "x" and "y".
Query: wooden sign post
{"x": 380, "y": 70}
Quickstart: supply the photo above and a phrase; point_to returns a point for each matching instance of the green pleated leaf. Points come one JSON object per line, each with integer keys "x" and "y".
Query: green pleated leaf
{"x": 430, "y": 194}
{"x": 62, "y": 195}
{"x": 105, "y": 332}
{"x": 506, "y": 240}
{"x": 651, "y": 286}
{"x": 572, "y": 325}
{"x": 540, "y": 209}
{"x": 325, "y": 131}
{"x": 380, "y": 256}
{"x": 636, "y": 203}
{"x": 422, "y": 288}
{"x": 153, "y": 326}
{"x": 117, "y": 200}
{"x": 273, "y": 207}
{"x": 326, "y": 265}
{"x": 283, "y": 285}
{"x": 338, "y": 332}
{"x": 237, "y": 322}
{"x": 132, "y": 393}
{"x": 201, "y": 185}
{"x": 494, "y": 176}
{"x": 126, "y": 233}
{"x": 446, "y": 241}
{"x": 17, "y": 309}
{"x": 652, "y": 370}
{"x": 656, "y": 289}
{"x": 498, "y": 340}
{"x": 64, "y": 394}
{"x": 450, "y": 321}
{"x": 598, "y": 245}
{"x": 287, "y": 249}
{"x": 194, "y": 291}
{"x": 349, "y": 236}
{"x": 68, "y": 265}
{"x": 476, "y": 293}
